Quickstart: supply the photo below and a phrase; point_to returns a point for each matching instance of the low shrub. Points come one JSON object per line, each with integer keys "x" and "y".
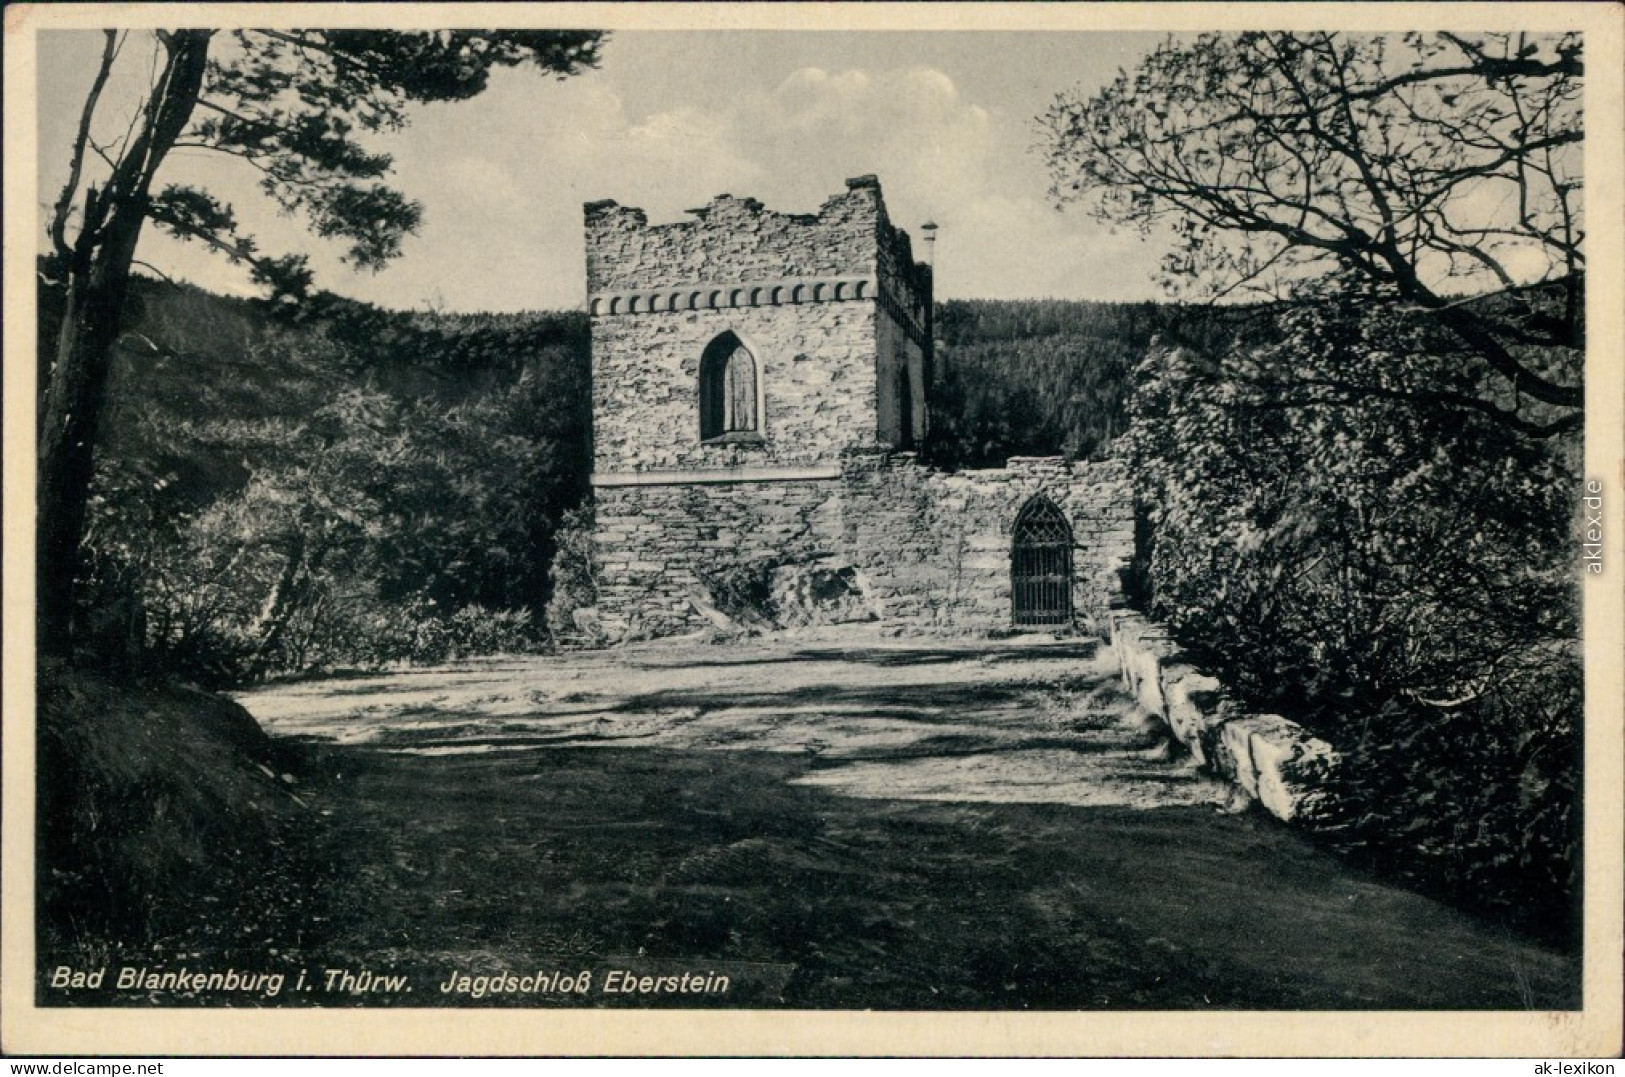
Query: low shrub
{"x": 574, "y": 586}
{"x": 1342, "y": 525}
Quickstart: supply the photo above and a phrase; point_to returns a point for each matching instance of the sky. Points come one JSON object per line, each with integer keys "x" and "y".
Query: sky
{"x": 670, "y": 119}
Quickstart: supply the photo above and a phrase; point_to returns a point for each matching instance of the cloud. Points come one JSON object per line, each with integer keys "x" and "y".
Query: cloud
{"x": 502, "y": 181}
{"x": 910, "y": 126}
{"x": 790, "y": 144}
{"x": 1001, "y": 247}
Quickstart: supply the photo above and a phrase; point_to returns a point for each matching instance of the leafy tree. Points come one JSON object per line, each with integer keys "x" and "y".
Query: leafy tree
{"x": 1395, "y": 573}
{"x": 295, "y": 105}
{"x": 1366, "y": 543}
{"x": 1432, "y": 165}
{"x": 369, "y": 486}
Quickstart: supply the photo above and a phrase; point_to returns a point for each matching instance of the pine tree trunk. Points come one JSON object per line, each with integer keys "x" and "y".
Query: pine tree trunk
{"x": 67, "y": 439}
{"x": 98, "y": 269}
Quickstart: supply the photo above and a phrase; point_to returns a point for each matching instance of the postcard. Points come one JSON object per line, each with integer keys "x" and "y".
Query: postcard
{"x": 814, "y": 529}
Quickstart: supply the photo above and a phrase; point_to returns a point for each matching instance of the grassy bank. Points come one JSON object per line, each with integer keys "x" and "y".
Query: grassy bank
{"x": 166, "y": 820}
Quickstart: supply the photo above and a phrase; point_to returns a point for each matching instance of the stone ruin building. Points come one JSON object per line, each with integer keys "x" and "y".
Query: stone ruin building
{"x": 759, "y": 383}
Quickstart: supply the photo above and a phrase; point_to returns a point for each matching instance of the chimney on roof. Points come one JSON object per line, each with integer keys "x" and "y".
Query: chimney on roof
{"x": 928, "y": 232}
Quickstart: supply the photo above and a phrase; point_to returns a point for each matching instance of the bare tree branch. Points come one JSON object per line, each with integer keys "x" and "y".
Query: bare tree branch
{"x": 1298, "y": 154}
{"x": 64, "y": 203}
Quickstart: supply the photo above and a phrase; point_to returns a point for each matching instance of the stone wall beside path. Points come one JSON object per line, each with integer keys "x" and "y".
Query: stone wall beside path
{"x": 1274, "y": 761}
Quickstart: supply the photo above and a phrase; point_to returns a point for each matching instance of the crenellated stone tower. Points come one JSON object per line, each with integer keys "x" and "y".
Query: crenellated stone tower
{"x": 737, "y": 359}
{"x": 759, "y": 381}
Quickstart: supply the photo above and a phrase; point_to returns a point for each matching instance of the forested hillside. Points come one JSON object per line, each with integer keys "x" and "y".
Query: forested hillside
{"x": 1037, "y": 377}
{"x": 352, "y": 487}
{"x": 334, "y": 485}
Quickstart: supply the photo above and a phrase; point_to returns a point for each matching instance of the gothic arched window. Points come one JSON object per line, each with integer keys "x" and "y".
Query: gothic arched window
{"x": 729, "y": 402}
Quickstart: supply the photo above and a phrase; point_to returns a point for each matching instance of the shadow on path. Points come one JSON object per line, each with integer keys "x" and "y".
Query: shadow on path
{"x": 912, "y": 827}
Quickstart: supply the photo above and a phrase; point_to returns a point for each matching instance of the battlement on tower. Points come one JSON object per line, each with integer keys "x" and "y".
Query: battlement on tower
{"x": 736, "y": 253}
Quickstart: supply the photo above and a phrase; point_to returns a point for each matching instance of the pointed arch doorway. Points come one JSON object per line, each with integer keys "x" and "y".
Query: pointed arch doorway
{"x": 1041, "y": 566}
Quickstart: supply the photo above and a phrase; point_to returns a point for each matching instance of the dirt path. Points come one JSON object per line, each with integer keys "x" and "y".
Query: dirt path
{"x": 854, "y": 823}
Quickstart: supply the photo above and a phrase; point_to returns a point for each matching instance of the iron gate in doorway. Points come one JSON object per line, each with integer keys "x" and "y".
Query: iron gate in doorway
{"x": 1041, "y": 566}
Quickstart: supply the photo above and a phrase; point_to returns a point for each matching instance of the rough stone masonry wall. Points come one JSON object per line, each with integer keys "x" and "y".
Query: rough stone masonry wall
{"x": 656, "y": 547}
{"x": 935, "y": 546}
{"x": 834, "y": 309}
{"x": 814, "y": 363}
{"x": 902, "y": 337}
{"x": 732, "y": 240}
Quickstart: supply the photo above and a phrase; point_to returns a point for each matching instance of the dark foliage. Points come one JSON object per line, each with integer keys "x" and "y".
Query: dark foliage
{"x": 1047, "y": 377}
{"x": 1429, "y": 165}
{"x": 360, "y": 487}
{"x": 1344, "y": 534}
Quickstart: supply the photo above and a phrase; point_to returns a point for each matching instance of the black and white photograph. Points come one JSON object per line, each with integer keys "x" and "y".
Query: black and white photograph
{"x": 775, "y": 529}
